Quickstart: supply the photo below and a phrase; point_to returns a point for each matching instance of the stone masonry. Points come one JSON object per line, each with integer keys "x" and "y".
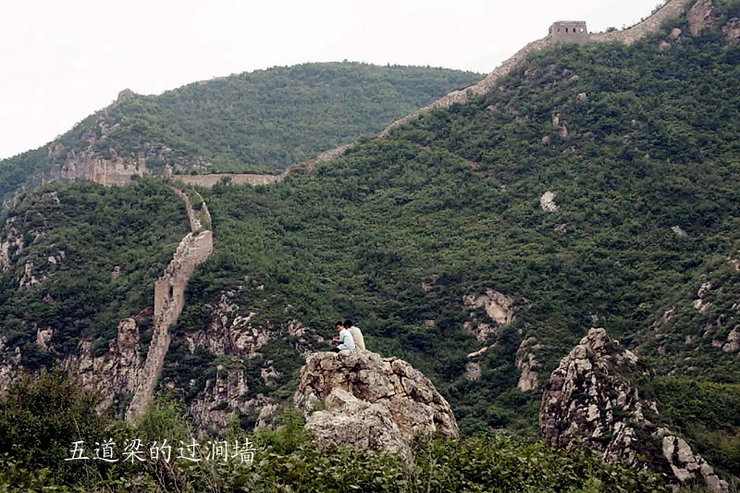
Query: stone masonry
{"x": 169, "y": 300}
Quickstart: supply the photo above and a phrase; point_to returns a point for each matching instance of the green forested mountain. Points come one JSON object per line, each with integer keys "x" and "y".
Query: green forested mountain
{"x": 639, "y": 148}
{"x": 85, "y": 258}
{"x": 452, "y": 200}
{"x": 261, "y": 120}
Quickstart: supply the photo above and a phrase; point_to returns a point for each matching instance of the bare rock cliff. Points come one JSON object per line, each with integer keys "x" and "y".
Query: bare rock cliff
{"x": 370, "y": 401}
{"x": 591, "y": 397}
{"x": 114, "y": 373}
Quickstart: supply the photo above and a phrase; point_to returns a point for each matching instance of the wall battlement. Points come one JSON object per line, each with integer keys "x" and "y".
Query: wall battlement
{"x": 569, "y": 32}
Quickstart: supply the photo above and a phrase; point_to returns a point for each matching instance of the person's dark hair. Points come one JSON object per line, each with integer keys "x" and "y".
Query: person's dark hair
{"x": 340, "y": 324}
{"x": 348, "y": 323}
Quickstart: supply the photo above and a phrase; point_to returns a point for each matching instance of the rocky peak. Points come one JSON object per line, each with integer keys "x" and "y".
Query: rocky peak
{"x": 370, "y": 401}
{"x": 590, "y": 396}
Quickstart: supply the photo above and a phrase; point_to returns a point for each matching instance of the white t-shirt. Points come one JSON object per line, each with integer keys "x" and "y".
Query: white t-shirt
{"x": 357, "y": 337}
{"x": 347, "y": 342}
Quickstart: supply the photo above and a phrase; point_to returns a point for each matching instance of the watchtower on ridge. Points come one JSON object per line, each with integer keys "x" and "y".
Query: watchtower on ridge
{"x": 569, "y": 32}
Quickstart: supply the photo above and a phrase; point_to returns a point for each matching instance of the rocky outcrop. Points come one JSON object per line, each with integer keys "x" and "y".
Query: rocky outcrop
{"x": 28, "y": 279}
{"x": 224, "y": 400}
{"x": 591, "y": 397}
{"x": 700, "y": 16}
{"x": 526, "y": 361}
{"x": 114, "y": 373}
{"x": 473, "y": 370}
{"x": 234, "y": 339}
{"x": 349, "y": 420}
{"x": 229, "y": 332}
{"x": 9, "y": 364}
{"x": 700, "y": 303}
{"x": 370, "y": 401}
{"x": 731, "y": 31}
{"x": 733, "y": 341}
{"x": 44, "y": 337}
{"x": 587, "y": 392}
{"x": 11, "y": 243}
{"x": 685, "y": 465}
{"x": 547, "y": 202}
{"x": 499, "y": 308}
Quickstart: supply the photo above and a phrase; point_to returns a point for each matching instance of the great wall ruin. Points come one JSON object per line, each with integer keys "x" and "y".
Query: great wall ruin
{"x": 169, "y": 300}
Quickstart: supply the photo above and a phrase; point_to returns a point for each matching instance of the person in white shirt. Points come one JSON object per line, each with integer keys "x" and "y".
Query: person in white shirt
{"x": 344, "y": 338}
{"x": 356, "y": 334}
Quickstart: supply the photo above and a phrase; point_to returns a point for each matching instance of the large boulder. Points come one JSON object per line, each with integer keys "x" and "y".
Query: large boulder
{"x": 370, "y": 401}
{"x": 591, "y": 397}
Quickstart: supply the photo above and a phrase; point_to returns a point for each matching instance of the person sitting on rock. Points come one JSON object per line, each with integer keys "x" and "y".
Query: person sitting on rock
{"x": 344, "y": 338}
{"x": 356, "y": 334}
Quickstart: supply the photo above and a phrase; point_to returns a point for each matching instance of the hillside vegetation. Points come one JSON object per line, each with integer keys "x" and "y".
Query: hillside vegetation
{"x": 84, "y": 257}
{"x": 452, "y": 200}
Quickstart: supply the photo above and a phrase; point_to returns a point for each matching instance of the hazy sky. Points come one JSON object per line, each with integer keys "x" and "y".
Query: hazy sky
{"x": 63, "y": 60}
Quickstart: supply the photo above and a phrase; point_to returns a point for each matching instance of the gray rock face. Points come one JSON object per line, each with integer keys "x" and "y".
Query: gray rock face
{"x": 700, "y": 16}
{"x": 114, "y": 372}
{"x": 585, "y": 393}
{"x": 9, "y": 364}
{"x": 732, "y": 31}
{"x": 686, "y": 465}
{"x": 547, "y": 201}
{"x": 347, "y": 419}
{"x": 733, "y": 341}
{"x": 590, "y": 397}
{"x": 371, "y": 401}
{"x": 526, "y": 361}
{"x": 499, "y": 309}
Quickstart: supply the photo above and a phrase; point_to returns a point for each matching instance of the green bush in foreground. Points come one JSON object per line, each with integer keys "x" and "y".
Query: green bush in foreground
{"x": 284, "y": 459}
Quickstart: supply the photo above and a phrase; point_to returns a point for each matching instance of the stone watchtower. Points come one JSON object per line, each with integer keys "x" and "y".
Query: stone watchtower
{"x": 569, "y": 32}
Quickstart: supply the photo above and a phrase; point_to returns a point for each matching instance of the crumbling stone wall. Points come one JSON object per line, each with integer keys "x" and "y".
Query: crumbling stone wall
{"x": 88, "y": 166}
{"x": 670, "y": 10}
{"x": 208, "y": 181}
{"x": 169, "y": 300}
{"x": 117, "y": 174}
